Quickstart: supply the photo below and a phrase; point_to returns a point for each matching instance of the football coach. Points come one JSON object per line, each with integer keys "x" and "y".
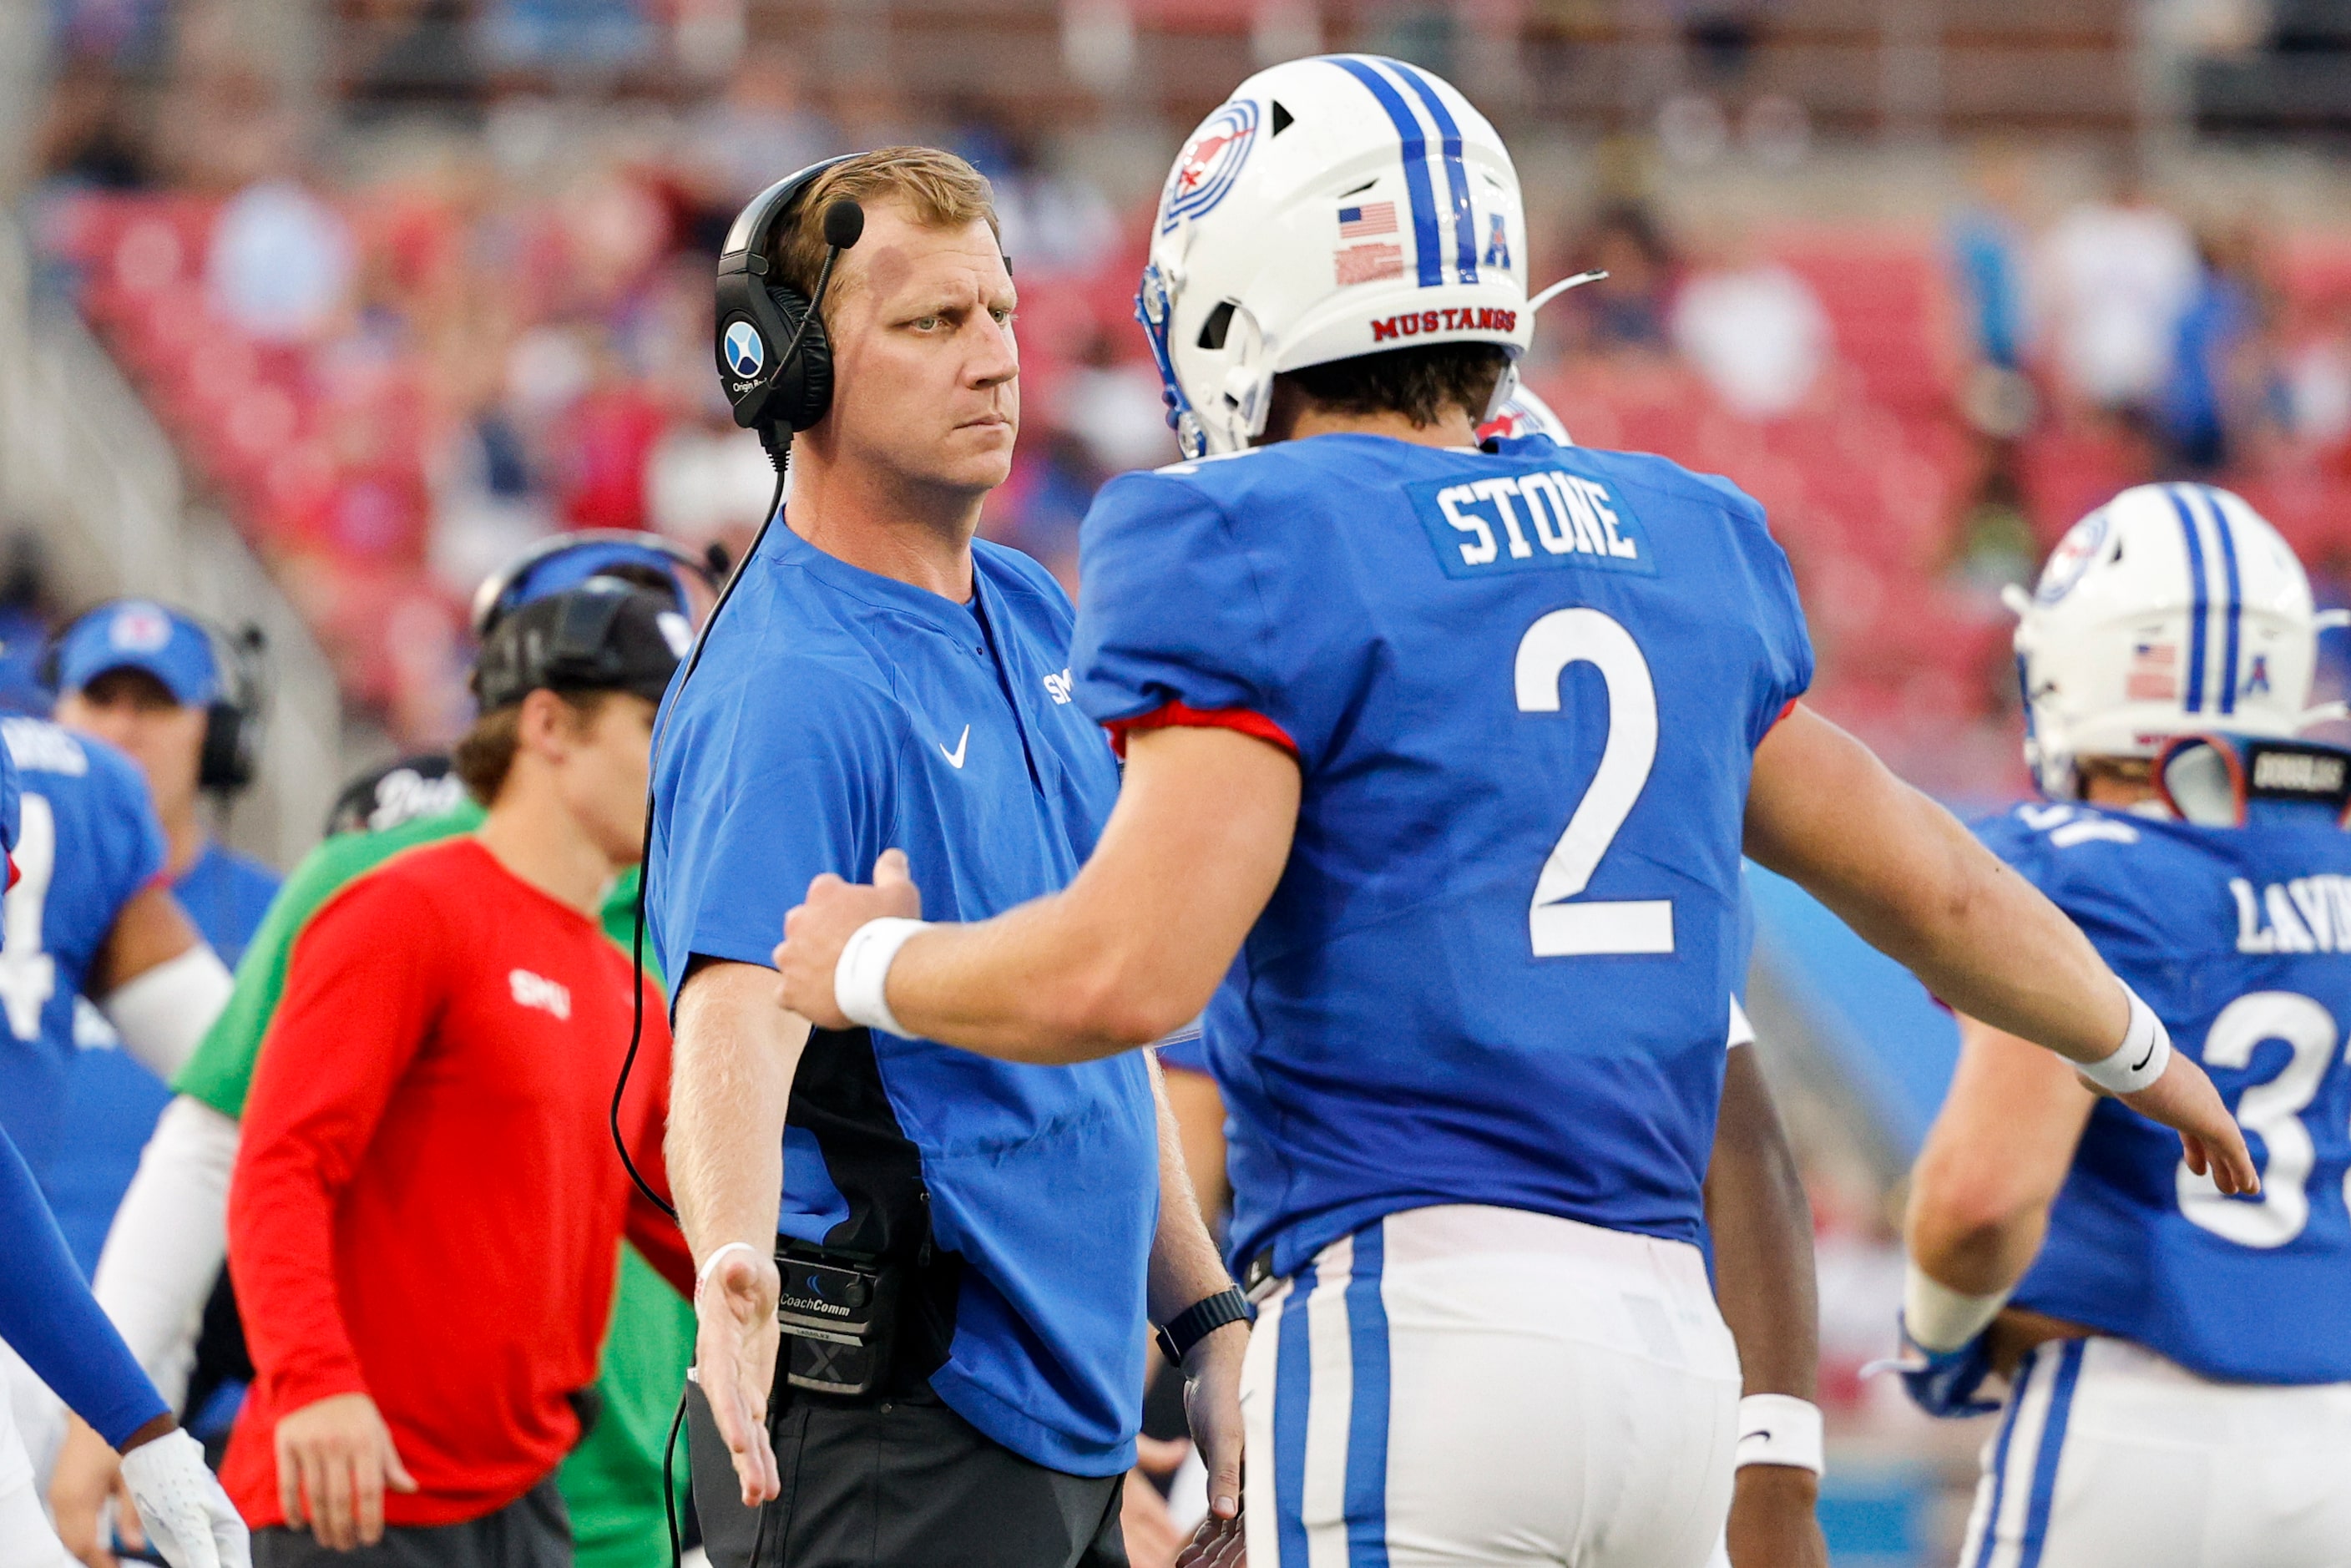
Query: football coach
{"x": 965, "y": 1255}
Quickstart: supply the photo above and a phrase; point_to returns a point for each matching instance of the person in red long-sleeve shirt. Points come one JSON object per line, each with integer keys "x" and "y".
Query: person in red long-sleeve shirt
{"x": 424, "y": 1219}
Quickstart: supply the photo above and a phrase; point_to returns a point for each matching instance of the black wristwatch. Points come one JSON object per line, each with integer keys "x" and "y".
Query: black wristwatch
{"x": 1196, "y": 1322}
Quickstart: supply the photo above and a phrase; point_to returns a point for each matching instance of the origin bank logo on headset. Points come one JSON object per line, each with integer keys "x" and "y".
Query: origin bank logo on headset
{"x": 746, "y": 351}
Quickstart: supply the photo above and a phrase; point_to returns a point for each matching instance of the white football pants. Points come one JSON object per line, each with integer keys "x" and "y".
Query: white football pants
{"x": 25, "y": 1539}
{"x": 1465, "y": 1385}
{"x": 2109, "y": 1456}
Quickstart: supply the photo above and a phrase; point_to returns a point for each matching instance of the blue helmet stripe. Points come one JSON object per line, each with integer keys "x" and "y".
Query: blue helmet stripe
{"x": 2199, "y": 601}
{"x": 2234, "y": 611}
{"x": 1416, "y": 165}
{"x": 1457, "y": 174}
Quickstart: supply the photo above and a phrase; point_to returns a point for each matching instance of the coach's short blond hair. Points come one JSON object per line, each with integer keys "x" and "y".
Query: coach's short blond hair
{"x": 940, "y": 189}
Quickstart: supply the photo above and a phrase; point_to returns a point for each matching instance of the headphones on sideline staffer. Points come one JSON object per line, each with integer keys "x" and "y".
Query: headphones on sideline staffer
{"x": 233, "y": 719}
{"x": 773, "y": 359}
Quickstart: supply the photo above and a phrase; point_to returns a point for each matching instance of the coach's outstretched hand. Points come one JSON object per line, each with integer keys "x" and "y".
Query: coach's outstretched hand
{"x": 818, "y": 929}
{"x": 735, "y": 1342}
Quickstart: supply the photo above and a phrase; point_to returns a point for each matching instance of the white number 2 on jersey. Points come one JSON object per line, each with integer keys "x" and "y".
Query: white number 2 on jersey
{"x": 2271, "y": 1112}
{"x": 28, "y": 975}
{"x": 1556, "y": 926}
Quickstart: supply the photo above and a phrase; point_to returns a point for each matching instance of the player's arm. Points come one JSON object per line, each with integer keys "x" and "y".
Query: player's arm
{"x": 48, "y": 1316}
{"x": 1980, "y": 1192}
{"x": 157, "y": 982}
{"x": 730, "y": 1089}
{"x": 1130, "y": 951}
{"x": 1761, "y": 1227}
{"x": 1905, "y": 874}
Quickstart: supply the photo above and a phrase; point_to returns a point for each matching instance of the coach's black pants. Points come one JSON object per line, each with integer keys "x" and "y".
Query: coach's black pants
{"x": 532, "y": 1531}
{"x": 906, "y": 1483}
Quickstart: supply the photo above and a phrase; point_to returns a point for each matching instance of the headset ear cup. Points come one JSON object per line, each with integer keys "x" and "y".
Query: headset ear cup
{"x": 227, "y": 760}
{"x": 803, "y": 393}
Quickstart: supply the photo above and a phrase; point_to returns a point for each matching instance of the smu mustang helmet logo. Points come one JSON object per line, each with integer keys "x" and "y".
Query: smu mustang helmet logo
{"x": 744, "y": 350}
{"x": 1210, "y": 164}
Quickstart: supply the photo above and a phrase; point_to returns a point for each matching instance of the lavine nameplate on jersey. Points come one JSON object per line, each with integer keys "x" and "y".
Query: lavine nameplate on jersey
{"x": 1529, "y": 522}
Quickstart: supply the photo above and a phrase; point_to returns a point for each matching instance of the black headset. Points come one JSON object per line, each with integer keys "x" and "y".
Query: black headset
{"x": 236, "y": 715}
{"x": 773, "y": 359}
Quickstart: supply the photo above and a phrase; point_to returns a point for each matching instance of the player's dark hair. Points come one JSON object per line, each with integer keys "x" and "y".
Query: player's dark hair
{"x": 1424, "y": 383}
{"x": 486, "y": 755}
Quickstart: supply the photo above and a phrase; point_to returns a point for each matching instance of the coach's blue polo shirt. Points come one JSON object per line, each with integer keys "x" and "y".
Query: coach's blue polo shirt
{"x": 835, "y": 714}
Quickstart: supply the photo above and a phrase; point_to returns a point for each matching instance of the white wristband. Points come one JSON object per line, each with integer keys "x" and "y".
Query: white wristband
{"x": 861, "y": 976}
{"x": 1938, "y": 1319}
{"x": 1780, "y": 1429}
{"x": 2139, "y": 1060}
{"x": 710, "y": 1264}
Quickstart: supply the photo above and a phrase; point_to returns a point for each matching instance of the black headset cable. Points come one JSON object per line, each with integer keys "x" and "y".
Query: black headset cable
{"x": 778, "y": 451}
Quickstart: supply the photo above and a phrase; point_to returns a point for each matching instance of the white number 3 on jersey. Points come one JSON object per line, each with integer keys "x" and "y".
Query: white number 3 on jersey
{"x": 1557, "y": 927}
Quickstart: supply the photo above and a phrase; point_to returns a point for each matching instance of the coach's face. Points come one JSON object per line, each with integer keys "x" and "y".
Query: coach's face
{"x": 926, "y": 374}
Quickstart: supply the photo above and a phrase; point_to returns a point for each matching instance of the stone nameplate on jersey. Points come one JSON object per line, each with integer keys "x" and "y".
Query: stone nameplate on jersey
{"x": 1530, "y": 522}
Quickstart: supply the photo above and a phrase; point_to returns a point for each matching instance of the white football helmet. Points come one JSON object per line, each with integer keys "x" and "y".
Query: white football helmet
{"x": 1524, "y": 413}
{"x": 2172, "y": 609}
{"x": 1336, "y": 206}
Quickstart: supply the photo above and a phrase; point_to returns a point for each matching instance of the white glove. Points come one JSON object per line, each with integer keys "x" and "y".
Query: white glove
{"x": 188, "y": 1518}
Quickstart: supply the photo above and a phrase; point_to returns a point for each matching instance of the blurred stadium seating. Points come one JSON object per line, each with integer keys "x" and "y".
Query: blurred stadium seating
{"x": 438, "y": 283}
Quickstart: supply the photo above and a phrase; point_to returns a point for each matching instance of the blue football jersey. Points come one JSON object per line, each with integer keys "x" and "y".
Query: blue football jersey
{"x": 1524, "y": 686}
{"x": 2240, "y": 939}
{"x": 86, "y": 840}
{"x": 112, "y": 1099}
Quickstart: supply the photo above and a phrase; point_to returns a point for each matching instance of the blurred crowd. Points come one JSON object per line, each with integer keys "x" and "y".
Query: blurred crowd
{"x": 396, "y": 377}
{"x": 1926, "y": 411}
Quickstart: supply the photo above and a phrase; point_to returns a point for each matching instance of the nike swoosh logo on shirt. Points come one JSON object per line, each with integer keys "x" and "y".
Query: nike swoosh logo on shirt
{"x": 954, "y": 757}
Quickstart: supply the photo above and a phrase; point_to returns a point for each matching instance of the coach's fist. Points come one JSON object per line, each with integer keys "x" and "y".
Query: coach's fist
{"x": 815, "y": 932}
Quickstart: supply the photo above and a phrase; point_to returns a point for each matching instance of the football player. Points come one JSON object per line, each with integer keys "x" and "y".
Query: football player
{"x": 88, "y": 915}
{"x": 169, "y": 1241}
{"x": 1441, "y": 759}
{"x": 2178, "y": 1362}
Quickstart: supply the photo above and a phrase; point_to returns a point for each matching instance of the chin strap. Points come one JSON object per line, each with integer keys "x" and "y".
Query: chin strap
{"x": 1155, "y": 309}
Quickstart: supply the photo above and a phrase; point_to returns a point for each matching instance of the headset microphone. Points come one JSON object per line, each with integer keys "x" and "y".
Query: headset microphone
{"x": 844, "y": 224}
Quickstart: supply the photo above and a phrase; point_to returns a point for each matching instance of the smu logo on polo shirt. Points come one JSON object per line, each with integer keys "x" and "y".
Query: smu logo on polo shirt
{"x": 539, "y": 991}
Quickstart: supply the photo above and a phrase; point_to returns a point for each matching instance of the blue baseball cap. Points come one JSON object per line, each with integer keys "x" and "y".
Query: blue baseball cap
{"x": 566, "y": 560}
{"x": 140, "y": 634}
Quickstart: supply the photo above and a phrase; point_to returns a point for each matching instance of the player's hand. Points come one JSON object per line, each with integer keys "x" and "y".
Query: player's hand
{"x": 1152, "y": 1538}
{"x": 735, "y": 1344}
{"x": 1774, "y": 1519}
{"x": 2184, "y": 1100}
{"x": 816, "y": 930}
{"x": 1212, "y": 1405}
{"x": 1217, "y": 1544}
{"x": 188, "y": 1518}
{"x": 334, "y": 1461}
{"x": 88, "y": 1472}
